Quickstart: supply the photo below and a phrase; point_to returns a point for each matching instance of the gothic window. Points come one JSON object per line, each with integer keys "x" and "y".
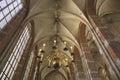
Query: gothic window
{"x": 8, "y": 9}
{"x": 12, "y": 62}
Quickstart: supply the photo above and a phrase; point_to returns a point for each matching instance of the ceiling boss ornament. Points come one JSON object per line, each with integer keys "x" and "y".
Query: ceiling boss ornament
{"x": 56, "y": 58}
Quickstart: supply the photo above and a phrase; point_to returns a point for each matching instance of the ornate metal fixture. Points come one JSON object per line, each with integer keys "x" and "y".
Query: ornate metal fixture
{"x": 56, "y": 58}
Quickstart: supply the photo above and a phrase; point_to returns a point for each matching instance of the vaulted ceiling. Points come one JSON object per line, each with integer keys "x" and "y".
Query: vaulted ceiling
{"x": 55, "y": 19}
{"x": 58, "y": 19}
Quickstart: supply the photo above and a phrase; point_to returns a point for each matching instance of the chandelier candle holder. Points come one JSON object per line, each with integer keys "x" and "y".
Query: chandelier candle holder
{"x": 65, "y": 48}
{"x": 40, "y": 55}
{"x": 72, "y": 54}
{"x": 56, "y": 58}
{"x": 54, "y": 46}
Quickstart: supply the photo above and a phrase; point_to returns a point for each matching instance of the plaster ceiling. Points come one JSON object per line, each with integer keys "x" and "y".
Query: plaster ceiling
{"x": 61, "y": 18}
{"x": 104, "y": 7}
{"x": 68, "y": 15}
{"x": 55, "y": 18}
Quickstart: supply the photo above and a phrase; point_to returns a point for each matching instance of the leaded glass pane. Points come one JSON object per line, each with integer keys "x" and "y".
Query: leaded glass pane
{"x": 1, "y": 74}
{"x": 20, "y": 6}
{"x": 3, "y": 78}
{"x": 19, "y": 1}
{"x": 9, "y": 1}
{"x": 3, "y": 23}
{"x": 1, "y": 15}
{"x": 8, "y": 17}
{"x": 17, "y": 9}
{"x": 15, "y": 3}
{"x": 3, "y": 3}
{"x": 6, "y": 11}
{"x": 13, "y": 13}
{"x": 7, "y": 69}
{"x": 11, "y": 7}
{"x": 12, "y": 59}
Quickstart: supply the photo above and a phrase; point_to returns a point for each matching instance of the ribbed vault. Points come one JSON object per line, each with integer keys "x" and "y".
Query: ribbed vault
{"x": 55, "y": 18}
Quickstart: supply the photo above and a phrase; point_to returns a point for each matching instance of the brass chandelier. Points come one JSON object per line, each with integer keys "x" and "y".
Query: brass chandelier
{"x": 56, "y": 58}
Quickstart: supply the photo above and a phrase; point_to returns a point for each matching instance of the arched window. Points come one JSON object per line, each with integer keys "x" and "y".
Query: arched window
{"x": 12, "y": 62}
{"x": 8, "y": 9}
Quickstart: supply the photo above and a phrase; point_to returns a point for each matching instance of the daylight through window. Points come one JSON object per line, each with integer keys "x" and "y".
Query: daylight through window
{"x": 15, "y": 56}
{"x": 8, "y": 9}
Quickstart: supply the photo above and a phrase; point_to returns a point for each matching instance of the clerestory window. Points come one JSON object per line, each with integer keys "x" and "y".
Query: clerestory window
{"x": 12, "y": 62}
{"x": 8, "y": 9}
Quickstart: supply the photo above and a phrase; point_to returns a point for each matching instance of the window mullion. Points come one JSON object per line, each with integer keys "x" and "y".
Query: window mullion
{"x": 11, "y": 65}
{"x": 10, "y": 12}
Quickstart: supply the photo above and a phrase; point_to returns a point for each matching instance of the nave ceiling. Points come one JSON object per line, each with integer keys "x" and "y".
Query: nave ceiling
{"x": 55, "y": 19}
{"x": 60, "y": 20}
